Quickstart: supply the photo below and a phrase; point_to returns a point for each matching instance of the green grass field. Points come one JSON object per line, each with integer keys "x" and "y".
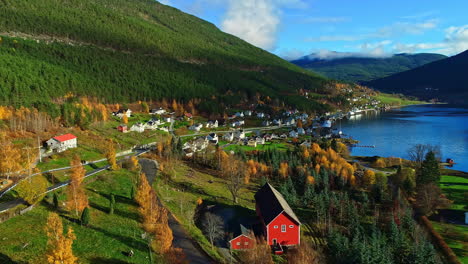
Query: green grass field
{"x": 396, "y": 101}
{"x": 456, "y": 189}
{"x": 456, "y": 236}
{"x": 106, "y": 239}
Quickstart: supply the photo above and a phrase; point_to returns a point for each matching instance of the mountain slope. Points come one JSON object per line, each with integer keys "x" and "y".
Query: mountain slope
{"x": 127, "y": 50}
{"x": 355, "y": 69}
{"x": 446, "y": 80}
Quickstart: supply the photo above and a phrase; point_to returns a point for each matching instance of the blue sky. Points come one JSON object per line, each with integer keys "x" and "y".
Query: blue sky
{"x": 368, "y": 28}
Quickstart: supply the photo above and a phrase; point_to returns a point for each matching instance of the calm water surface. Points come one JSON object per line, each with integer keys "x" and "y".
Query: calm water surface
{"x": 394, "y": 132}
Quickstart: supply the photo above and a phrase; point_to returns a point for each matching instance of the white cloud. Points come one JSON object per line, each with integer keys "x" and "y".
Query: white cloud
{"x": 165, "y": 2}
{"x": 257, "y": 21}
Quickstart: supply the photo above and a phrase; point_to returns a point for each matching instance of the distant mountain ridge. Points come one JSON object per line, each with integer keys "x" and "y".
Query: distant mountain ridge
{"x": 361, "y": 69}
{"x": 446, "y": 80}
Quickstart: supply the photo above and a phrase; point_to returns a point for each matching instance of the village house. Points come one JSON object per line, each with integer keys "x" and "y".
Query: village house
{"x": 138, "y": 127}
{"x": 151, "y": 125}
{"x": 252, "y": 143}
{"x": 122, "y": 128}
{"x": 197, "y": 145}
{"x": 300, "y": 131}
{"x": 293, "y": 134}
{"x": 290, "y": 121}
{"x": 248, "y": 113}
{"x": 228, "y": 137}
{"x": 188, "y": 115}
{"x": 62, "y": 143}
{"x": 167, "y": 119}
{"x": 266, "y": 123}
{"x": 282, "y": 227}
{"x": 158, "y": 111}
{"x": 242, "y": 239}
{"x": 212, "y": 124}
{"x": 196, "y": 127}
{"x": 165, "y": 129}
{"x": 277, "y": 122}
{"x": 240, "y": 134}
{"x": 238, "y": 123}
{"x": 123, "y": 112}
{"x": 212, "y": 138}
{"x": 260, "y": 140}
{"x": 260, "y": 115}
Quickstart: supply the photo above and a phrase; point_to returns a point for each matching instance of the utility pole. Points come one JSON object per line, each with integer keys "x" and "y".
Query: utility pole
{"x": 39, "y": 148}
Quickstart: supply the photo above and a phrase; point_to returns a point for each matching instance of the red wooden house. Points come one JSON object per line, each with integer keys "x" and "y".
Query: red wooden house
{"x": 122, "y": 128}
{"x": 281, "y": 225}
{"x": 242, "y": 239}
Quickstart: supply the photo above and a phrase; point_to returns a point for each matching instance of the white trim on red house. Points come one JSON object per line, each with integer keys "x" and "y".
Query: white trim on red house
{"x": 238, "y": 237}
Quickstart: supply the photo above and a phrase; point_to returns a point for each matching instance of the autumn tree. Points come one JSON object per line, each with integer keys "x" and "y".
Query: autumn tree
{"x": 134, "y": 163}
{"x": 10, "y": 159}
{"x": 111, "y": 156}
{"x": 176, "y": 256}
{"x": 233, "y": 170}
{"x": 283, "y": 170}
{"x": 76, "y": 196}
{"x": 59, "y": 245}
{"x": 368, "y": 178}
{"x": 32, "y": 190}
{"x": 429, "y": 198}
{"x": 125, "y": 119}
{"x": 380, "y": 163}
{"x": 144, "y": 107}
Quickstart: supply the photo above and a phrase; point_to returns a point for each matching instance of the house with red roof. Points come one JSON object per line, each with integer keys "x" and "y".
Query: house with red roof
{"x": 62, "y": 143}
{"x": 281, "y": 226}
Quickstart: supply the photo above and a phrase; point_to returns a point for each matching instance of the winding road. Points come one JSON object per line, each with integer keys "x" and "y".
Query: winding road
{"x": 193, "y": 253}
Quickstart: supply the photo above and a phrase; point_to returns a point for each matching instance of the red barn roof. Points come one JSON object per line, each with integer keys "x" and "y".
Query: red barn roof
{"x": 271, "y": 203}
{"x": 65, "y": 137}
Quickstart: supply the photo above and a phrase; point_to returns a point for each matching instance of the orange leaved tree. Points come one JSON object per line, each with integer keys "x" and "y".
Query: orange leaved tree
{"x": 76, "y": 196}
{"x": 59, "y": 245}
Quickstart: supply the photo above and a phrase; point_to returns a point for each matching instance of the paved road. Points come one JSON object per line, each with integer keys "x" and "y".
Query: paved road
{"x": 194, "y": 254}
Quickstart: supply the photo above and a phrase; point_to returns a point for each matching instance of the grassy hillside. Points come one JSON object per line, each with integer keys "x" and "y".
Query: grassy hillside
{"x": 366, "y": 69}
{"x": 445, "y": 79}
{"x": 127, "y": 50}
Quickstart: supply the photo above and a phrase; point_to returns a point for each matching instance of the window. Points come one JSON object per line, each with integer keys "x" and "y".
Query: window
{"x": 283, "y": 228}
{"x": 238, "y": 243}
{"x": 275, "y": 227}
{"x": 291, "y": 226}
{"x": 246, "y": 243}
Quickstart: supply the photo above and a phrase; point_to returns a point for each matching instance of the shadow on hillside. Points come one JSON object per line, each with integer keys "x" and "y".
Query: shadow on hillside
{"x": 125, "y": 214}
{"x": 4, "y": 259}
{"x": 107, "y": 261}
{"x": 118, "y": 198}
{"x": 136, "y": 244}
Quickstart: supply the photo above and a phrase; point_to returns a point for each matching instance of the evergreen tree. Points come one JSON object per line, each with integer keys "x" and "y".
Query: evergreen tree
{"x": 85, "y": 217}
{"x": 55, "y": 201}
{"x": 430, "y": 170}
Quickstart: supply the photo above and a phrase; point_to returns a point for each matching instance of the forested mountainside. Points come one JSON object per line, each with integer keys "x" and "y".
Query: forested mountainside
{"x": 445, "y": 80}
{"x": 355, "y": 69}
{"x": 128, "y": 50}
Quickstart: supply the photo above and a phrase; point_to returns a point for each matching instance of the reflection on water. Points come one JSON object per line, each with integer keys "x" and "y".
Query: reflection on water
{"x": 394, "y": 132}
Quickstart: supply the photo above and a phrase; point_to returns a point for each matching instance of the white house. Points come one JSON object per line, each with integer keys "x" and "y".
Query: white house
{"x": 293, "y": 134}
{"x": 164, "y": 129}
{"x": 260, "y": 115}
{"x": 239, "y": 114}
{"x": 248, "y": 113}
{"x": 62, "y": 143}
{"x": 212, "y": 138}
{"x": 158, "y": 111}
{"x": 266, "y": 123}
{"x": 228, "y": 137}
{"x": 240, "y": 134}
{"x": 123, "y": 112}
{"x": 277, "y": 122}
{"x": 301, "y": 131}
{"x": 238, "y": 123}
{"x": 196, "y": 127}
{"x": 260, "y": 140}
{"x": 138, "y": 127}
{"x": 252, "y": 143}
{"x": 290, "y": 121}
{"x": 212, "y": 124}
{"x": 151, "y": 125}
{"x": 167, "y": 119}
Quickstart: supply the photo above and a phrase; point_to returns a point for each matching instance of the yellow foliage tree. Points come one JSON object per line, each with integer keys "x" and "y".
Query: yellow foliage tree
{"x": 32, "y": 190}
{"x": 110, "y": 155}
{"x": 10, "y": 159}
{"x": 368, "y": 178}
{"x": 76, "y": 196}
{"x": 283, "y": 170}
{"x": 59, "y": 245}
{"x": 134, "y": 163}
{"x": 310, "y": 180}
{"x": 380, "y": 163}
{"x": 125, "y": 119}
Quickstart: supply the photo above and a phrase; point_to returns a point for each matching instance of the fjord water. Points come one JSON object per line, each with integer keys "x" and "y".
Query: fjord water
{"x": 394, "y": 131}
